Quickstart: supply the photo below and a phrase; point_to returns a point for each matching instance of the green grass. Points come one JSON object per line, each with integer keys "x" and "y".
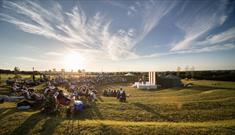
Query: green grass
{"x": 4, "y": 77}
{"x": 209, "y": 83}
{"x": 196, "y": 110}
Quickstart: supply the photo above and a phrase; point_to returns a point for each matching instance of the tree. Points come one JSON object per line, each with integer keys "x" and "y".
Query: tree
{"x": 178, "y": 71}
{"x": 192, "y": 71}
{"x": 16, "y": 70}
{"x": 187, "y": 71}
{"x": 62, "y": 70}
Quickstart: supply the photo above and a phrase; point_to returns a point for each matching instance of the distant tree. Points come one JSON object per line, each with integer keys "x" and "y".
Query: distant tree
{"x": 83, "y": 70}
{"x": 79, "y": 71}
{"x": 187, "y": 71}
{"x": 178, "y": 71}
{"x": 54, "y": 70}
{"x": 16, "y": 70}
{"x": 192, "y": 71}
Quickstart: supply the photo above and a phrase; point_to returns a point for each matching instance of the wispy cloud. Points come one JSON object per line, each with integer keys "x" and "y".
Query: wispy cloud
{"x": 152, "y": 12}
{"x": 25, "y": 58}
{"x": 225, "y": 36}
{"x": 116, "y": 4}
{"x": 73, "y": 28}
{"x": 81, "y": 32}
{"x": 199, "y": 21}
{"x": 211, "y": 48}
{"x": 93, "y": 36}
{"x": 53, "y": 54}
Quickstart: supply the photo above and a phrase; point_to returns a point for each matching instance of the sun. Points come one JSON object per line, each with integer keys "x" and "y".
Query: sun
{"x": 73, "y": 61}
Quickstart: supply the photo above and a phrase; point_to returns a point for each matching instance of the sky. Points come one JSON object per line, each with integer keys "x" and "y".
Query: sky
{"x": 117, "y": 35}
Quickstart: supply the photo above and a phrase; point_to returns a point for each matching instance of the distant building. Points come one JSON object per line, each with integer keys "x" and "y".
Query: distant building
{"x": 151, "y": 84}
{"x": 168, "y": 81}
{"x": 156, "y": 80}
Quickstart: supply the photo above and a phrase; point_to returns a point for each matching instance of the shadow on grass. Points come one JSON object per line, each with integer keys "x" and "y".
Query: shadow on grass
{"x": 153, "y": 111}
{"x": 92, "y": 111}
{"x": 28, "y": 124}
{"x": 147, "y": 108}
{"x": 6, "y": 112}
{"x": 50, "y": 125}
{"x": 108, "y": 130}
{"x": 4, "y": 90}
{"x": 100, "y": 99}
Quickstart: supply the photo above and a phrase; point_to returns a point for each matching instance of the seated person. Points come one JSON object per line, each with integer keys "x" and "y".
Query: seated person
{"x": 122, "y": 97}
{"x": 118, "y": 94}
{"x": 36, "y": 97}
{"x": 92, "y": 96}
{"x": 62, "y": 99}
{"x": 78, "y": 105}
{"x": 50, "y": 103}
{"x": 24, "y": 105}
{"x": 105, "y": 93}
{"x": 15, "y": 87}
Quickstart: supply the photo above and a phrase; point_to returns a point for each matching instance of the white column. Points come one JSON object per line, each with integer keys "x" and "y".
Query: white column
{"x": 154, "y": 78}
{"x": 149, "y": 77}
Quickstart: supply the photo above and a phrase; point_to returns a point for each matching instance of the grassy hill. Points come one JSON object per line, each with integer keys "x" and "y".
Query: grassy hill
{"x": 202, "y": 109}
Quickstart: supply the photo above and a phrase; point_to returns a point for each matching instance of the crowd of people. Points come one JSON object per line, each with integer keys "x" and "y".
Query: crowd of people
{"x": 60, "y": 91}
{"x": 119, "y": 94}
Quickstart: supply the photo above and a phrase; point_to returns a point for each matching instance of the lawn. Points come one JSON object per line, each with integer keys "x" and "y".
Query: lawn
{"x": 197, "y": 110}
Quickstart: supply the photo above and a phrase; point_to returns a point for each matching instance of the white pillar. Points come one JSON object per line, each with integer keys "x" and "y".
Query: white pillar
{"x": 151, "y": 73}
{"x": 149, "y": 77}
{"x": 154, "y": 78}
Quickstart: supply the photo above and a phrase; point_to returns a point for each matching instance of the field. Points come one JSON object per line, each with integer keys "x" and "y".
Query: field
{"x": 208, "y": 107}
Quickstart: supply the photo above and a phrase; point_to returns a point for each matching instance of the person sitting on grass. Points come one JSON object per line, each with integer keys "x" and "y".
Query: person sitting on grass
{"x": 50, "y": 103}
{"x": 65, "y": 101}
{"x": 62, "y": 99}
{"x": 118, "y": 94}
{"x": 37, "y": 98}
{"x": 122, "y": 97}
{"x": 92, "y": 96}
{"x": 105, "y": 93}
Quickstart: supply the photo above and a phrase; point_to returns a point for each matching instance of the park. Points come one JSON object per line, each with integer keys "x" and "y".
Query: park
{"x": 117, "y": 67}
{"x": 207, "y": 107}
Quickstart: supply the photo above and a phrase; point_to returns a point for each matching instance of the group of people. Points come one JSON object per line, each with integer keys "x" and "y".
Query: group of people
{"x": 119, "y": 94}
{"x": 53, "y": 97}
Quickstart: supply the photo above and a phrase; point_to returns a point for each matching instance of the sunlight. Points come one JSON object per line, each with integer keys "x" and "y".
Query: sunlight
{"x": 73, "y": 61}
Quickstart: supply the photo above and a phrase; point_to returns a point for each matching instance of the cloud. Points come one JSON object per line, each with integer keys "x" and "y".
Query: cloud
{"x": 73, "y": 28}
{"x": 53, "y": 54}
{"x": 25, "y": 58}
{"x": 228, "y": 35}
{"x": 199, "y": 21}
{"x": 94, "y": 36}
{"x": 80, "y": 31}
{"x": 212, "y": 48}
{"x": 152, "y": 12}
{"x": 116, "y": 4}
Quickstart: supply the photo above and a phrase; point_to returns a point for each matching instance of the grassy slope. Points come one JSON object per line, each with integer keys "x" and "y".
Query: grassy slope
{"x": 215, "y": 84}
{"x": 168, "y": 111}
